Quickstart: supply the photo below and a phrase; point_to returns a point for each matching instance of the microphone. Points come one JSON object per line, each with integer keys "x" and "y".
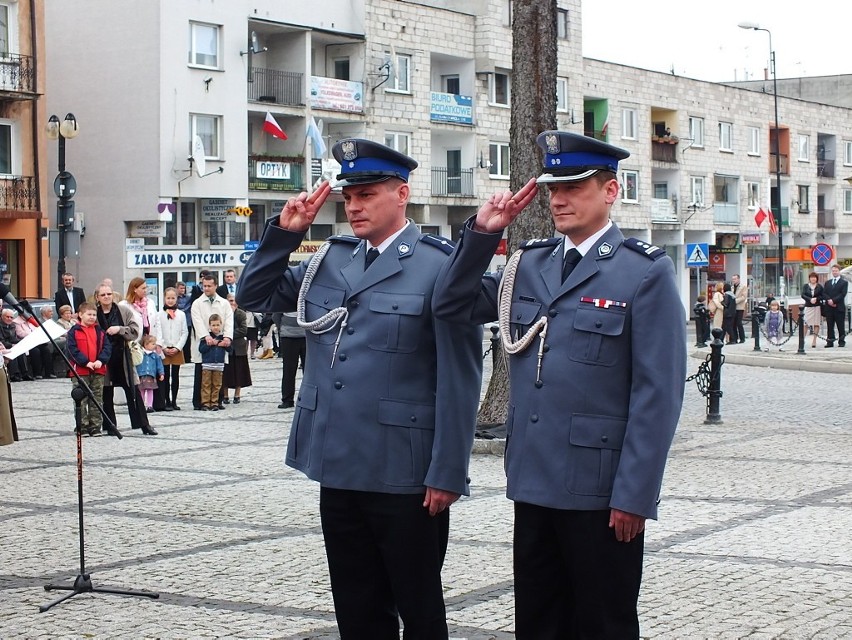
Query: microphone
{"x": 12, "y": 301}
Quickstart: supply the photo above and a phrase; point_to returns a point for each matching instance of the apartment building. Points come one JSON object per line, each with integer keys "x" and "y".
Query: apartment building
{"x": 24, "y": 264}
{"x": 173, "y": 99}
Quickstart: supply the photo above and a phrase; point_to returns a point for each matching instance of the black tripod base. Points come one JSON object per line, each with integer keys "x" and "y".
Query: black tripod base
{"x": 83, "y": 584}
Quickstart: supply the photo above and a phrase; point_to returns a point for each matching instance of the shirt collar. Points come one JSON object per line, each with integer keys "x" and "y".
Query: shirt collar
{"x": 388, "y": 241}
{"x": 588, "y": 243}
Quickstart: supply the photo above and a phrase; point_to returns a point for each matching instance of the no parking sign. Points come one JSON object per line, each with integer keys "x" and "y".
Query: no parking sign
{"x": 822, "y": 254}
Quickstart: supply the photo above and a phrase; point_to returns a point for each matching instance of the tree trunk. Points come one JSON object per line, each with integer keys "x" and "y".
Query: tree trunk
{"x": 533, "y": 91}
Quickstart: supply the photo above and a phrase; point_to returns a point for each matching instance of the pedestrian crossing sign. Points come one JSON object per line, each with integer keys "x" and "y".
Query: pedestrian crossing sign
{"x": 697, "y": 254}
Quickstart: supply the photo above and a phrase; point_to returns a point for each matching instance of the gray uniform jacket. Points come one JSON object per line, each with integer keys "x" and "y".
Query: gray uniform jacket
{"x": 397, "y": 410}
{"x": 595, "y": 431}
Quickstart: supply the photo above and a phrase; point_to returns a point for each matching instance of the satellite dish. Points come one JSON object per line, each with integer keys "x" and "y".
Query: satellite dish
{"x": 255, "y": 44}
{"x": 199, "y": 156}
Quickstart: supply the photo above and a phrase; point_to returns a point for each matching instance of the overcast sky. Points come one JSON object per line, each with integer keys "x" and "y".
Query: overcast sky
{"x": 702, "y": 40}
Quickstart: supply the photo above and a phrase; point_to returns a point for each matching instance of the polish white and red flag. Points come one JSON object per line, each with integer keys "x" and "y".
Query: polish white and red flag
{"x": 273, "y": 128}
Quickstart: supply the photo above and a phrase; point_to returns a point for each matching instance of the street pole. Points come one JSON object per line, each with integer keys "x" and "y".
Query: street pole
{"x": 64, "y": 186}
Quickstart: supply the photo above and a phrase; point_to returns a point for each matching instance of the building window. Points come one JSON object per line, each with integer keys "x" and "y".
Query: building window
{"x": 847, "y": 201}
{"x": 341, "y": 68}
{"x": 4, "y": 30}
{"x": 228, "y": 233}
{"x": 7, "y": 148}
{"x": 630, "y": 186}
{"x": 401, "y": 74}
{"x": 726, "y": 136}
{"x": 507, "y": 13}
{"x": 498, "y": 155}
{"x": 181, "y": 230}
{"x": 499, "y": 89}
{"x": 697, "y": 191}
{"x": 451, "y": 84}
{"x": 257, "y": 220}
{"x": 562, "y": 24}
{"x": 204, "y": 45}
{"x": 803, "y": 191}
{"x": 804, "y": 148}
{"x": 726, "y": 188}
{"x": 753, "y": 141}
{"x": 661, "y": 191}
{"x": 696, "y": 131}
{"x": 320, "y": 232}
{"x": 208, "y": 129}
{"x": 562, "y": 94}
{"x": 847, "y": 152}
{"x": 753, "y": 195}
{"x": 628, "y": 124}
{"x": 398, "y": 141}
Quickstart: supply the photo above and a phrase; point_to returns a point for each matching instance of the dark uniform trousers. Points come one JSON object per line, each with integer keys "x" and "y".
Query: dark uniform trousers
{"x": 383, "y": 549}
{"x": 570, "y": 561}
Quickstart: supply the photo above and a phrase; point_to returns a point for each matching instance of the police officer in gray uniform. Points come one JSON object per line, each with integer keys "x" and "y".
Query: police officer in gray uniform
{"x": 386, "y": 411}
{"x": 595, "y": 332}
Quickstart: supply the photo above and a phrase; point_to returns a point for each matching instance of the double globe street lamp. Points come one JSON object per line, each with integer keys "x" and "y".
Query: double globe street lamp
{"x": 64, "y": 186}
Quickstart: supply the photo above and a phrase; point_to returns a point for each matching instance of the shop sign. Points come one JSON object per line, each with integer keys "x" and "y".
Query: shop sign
{"x": 216, "y": 210}
{"x": 750, "y": 238}
{"x": 186, "y": 258}
{"x": 148, "y": 229}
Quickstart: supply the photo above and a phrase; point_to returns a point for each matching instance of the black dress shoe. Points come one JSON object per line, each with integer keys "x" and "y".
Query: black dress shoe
{"x": 175, "y": 407}
{"x": 226, "y": 401}
{"x": 168, "y": 408}
{"x": 286, "y": 405}
{"x": 237, "y": 399}
{"x": 220, "y": 407}
{"x": 150, "y": 431}
{"x": 15, "y": 379}
{"x": 841, "y": 344}
{"x": 829, "y": 345}
{"x": 29, "y": 378}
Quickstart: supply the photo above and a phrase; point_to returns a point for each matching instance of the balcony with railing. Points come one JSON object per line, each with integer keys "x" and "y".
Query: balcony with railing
{"x": 17, "y": 193}
{"x": 276, "y": 173}
{"x": 452, "y": 182}
{"x": 785, "y": 164}
{"x": 275, "y": 86}
{"x": 664, "y": 148}
{"x": 17, "y": 75}
{"x": 825, "y": 219}
{"x": 825, "y": 168}
{"x": 726, "y": 213}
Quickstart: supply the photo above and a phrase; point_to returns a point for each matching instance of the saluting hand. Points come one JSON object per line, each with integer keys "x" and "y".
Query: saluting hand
{"x": 299, "y": 212}
{"x": 437, "y": 500}
{"x": 502, "y": 208}
{"x": 627, "y": 525}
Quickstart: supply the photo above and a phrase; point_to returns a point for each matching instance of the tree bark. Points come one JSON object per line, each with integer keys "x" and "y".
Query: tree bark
{"x": 533, "y": 95}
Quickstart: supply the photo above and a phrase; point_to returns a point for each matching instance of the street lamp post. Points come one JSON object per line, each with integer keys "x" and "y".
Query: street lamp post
{"x": 777, "y": 151}
{"x": 65, "y": 186}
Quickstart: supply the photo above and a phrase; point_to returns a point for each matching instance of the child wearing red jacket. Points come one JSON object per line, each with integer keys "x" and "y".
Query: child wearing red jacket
{"x": 90, "y": 351}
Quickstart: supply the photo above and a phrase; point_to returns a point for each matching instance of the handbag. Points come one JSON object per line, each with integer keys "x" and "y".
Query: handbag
{"x": 136, "y": 352}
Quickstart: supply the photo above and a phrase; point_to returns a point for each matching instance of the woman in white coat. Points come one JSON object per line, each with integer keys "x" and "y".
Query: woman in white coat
{"x": 174, "y": 333}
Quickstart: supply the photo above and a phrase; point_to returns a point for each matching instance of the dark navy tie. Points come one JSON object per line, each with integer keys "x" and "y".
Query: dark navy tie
{"x": 372, "y": 254}
{"x": 572, "y": 257}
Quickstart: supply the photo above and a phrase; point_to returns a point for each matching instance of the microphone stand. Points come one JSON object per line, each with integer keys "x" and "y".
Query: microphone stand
{"x": 83, "y": 581}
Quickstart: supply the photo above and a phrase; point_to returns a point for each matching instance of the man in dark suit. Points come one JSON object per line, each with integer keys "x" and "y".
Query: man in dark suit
{"x": 68, "y": 294}
{"x": 594, "y": 406}
{"x": 834, "y": 293}
{"x": 386, "y": 411}
{"x": 229, "y": 285}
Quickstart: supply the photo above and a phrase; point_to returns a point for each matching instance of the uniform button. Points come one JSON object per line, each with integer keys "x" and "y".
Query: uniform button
{"x": 546, "y": 348}
{"x": 342, "y": 357}
{"x": 413, "y": 418}
{"x": 338, "y": 385}
{"x": 353, "y": 303}
{"x": 325, "y": 301}
{"x": 534, "y": 417}
{"x": 395, "y": 307}
{"x": 518, "y": 317}
{"x": 598, "y": 324}
{"x": 467, "y": 480}
{"x": 350, "y": 330}
{"x": 539, "y": 384}
{"x": 553, "y": 313}
{"x": 604, "y": 438}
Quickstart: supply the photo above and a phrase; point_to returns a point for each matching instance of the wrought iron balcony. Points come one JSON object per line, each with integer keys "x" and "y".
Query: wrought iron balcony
{"x": 276, "y": 87}
{"x": 452, "y": 182}
{"x": 17, "y": 74}
{"x": 18, "y": 193}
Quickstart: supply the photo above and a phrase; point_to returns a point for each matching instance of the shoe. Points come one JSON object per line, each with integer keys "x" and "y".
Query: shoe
{"x": 197, "y": 408}
{"x": 841, "y": 344}
{"x": 168, "y": 408}
{"x": 150, "y": 431}
{"x": 267, "y": 355}
{"x": 15, "y": 379}
{"x": 96, "y": 434}
{"x": 175, "y": 407}
{"x": 50, "y": 375}
{"x": 286, "y": 405}
{"x": 226, "y": 400}
{"x": 150, "y": 409}
{"x": 215, "y": 407}
{"x": 135, "y": 427}
{"x": 220, "y": 407}
{"x": 40, "y": 378}
{"x": 237, "y": 400}
{"x": 29, "y": 378}
{"x": 828, "y": 345}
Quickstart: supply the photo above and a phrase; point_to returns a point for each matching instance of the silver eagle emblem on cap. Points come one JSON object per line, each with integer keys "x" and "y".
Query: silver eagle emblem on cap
{"x": 350, "y": 152}
{"x": 551, "y": 141}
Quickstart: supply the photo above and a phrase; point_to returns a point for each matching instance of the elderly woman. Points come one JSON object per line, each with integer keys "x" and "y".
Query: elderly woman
{"x": 121, "y": 325}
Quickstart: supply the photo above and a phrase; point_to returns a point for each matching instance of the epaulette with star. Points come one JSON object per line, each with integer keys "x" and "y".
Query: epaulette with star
{"x": 648, "y": 250}
{"x": 349, "y": 239}
{"x": 536, "y": 243}
{"x": 437, "y": 241}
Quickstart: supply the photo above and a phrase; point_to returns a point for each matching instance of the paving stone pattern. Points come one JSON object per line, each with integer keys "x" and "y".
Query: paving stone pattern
{"x": 753, "y": 539}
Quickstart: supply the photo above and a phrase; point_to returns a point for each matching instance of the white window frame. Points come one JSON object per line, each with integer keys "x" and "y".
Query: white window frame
{"x": 193, "y": 45}
{"x": 804, "y": 148}
{"x": 563, "y": 24}
{"x": 11, "y": 45}
{"x": 398, "y": 141}
{"x": 803, "y": 195}
{"x": 726, "y": 136}
{"x": 15, "y": 163}
{"x": 629, "y": 123}
{"x": 697, "y": 188}
{"x": 177, "y": 221}
{"x": 212, "y": 153}
{"x": 847, "y": 201}
{"x": 628, "y": 193}
{"x": 754, "y": 141}
{"x": 562, "y": 95}
{"x": 753, "y": 195}
{"x": 696, "y": 131}
{"x": 847, "y": 152}
{"x": 492, "y": 89}
{"x": 231, "y": 240}
{"x": 400, "y": 81}
{"x": 507, "y": 13}
{"x": 497, "y": 170}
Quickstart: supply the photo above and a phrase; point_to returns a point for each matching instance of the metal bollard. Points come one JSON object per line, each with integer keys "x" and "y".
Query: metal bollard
{"x": 714, "y": 393}
{"x": 755, "y": 330}
{"x": 801, "y": 330}
{"x": 495, "y": 344}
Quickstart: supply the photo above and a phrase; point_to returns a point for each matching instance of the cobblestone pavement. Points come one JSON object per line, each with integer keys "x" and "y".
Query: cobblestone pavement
{"x": 753, "y": 539}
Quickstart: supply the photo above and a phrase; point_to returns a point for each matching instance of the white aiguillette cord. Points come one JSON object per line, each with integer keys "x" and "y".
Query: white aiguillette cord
{"x": 328, "y": 321}
{"x": 504, "y": 315}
